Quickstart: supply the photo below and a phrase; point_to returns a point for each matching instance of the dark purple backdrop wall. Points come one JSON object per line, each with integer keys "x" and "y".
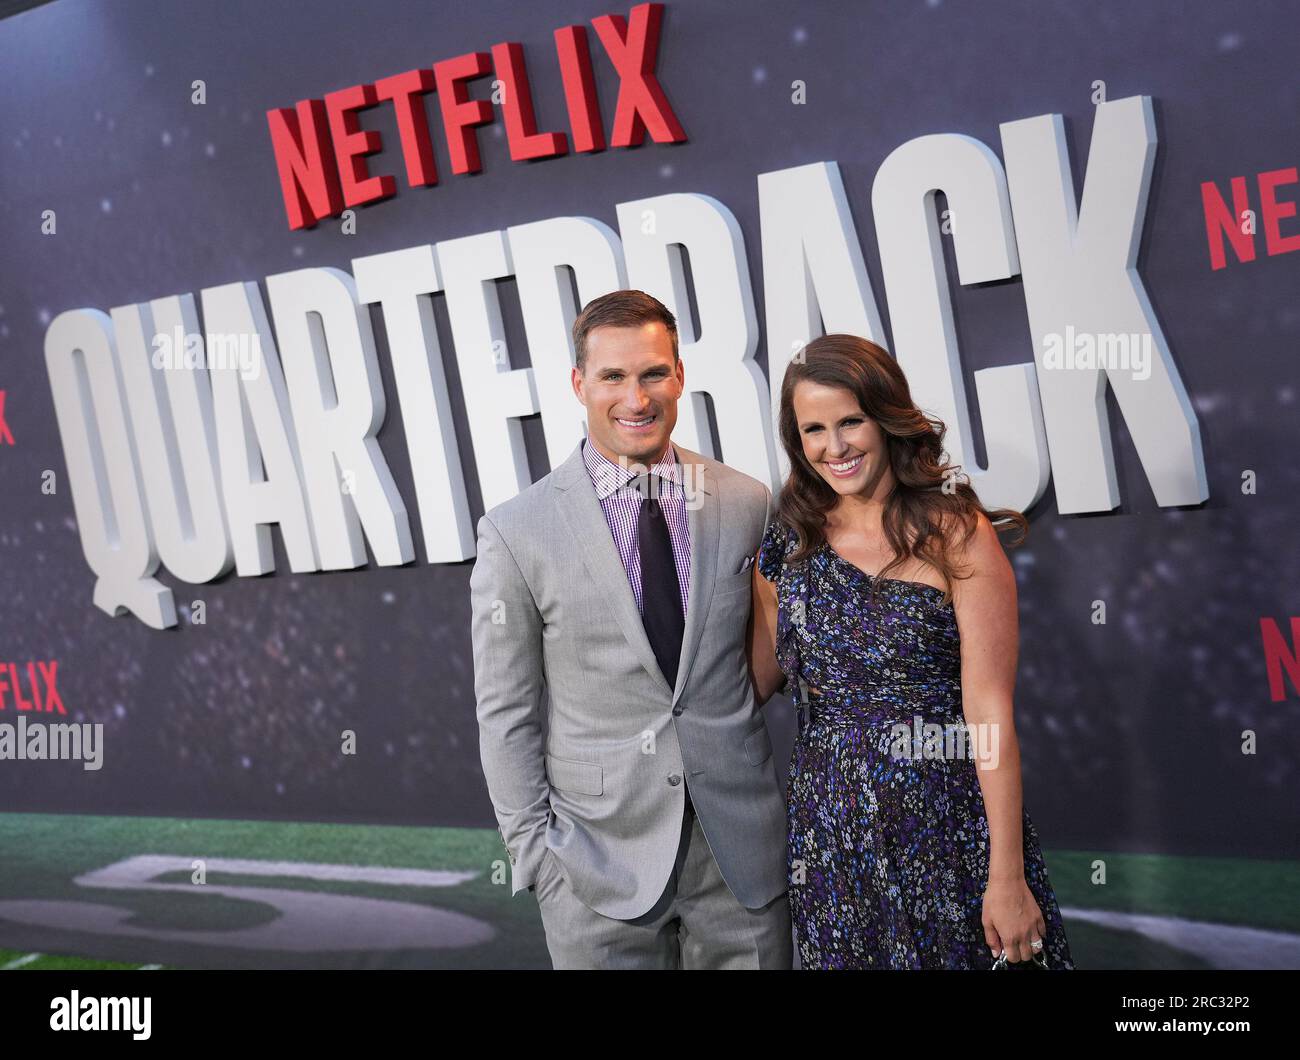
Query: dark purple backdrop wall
{"x": 1131, "y": 731}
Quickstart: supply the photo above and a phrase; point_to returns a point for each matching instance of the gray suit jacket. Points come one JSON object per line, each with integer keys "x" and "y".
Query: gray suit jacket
{"x": 558, "y": 640}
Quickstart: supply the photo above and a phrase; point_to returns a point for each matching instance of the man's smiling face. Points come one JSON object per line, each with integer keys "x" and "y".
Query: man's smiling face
{"x": 630, "y": 385}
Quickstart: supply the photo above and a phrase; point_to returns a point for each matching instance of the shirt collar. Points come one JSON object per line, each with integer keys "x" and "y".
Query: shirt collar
{"x": 608, "y": 477}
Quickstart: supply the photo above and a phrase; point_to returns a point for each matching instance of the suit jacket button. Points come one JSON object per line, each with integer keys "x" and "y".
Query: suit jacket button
{"x": 674, "y": 779}
{"x": 677, "y": 712}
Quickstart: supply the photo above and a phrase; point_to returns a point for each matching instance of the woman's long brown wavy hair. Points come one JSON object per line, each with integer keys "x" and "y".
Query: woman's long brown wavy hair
{"x": 932, "y": 500}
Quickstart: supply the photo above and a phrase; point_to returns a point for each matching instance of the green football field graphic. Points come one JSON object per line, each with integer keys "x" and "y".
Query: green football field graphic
{"x": 82, "y": 891}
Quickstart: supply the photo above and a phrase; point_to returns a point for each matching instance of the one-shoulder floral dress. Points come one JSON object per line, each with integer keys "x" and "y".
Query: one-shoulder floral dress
{"x": 888, "y": 839}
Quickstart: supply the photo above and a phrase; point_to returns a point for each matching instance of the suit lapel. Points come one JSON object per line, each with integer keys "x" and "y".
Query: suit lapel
{"x": 704, "y": 524}
{"x": 586, "y": 521}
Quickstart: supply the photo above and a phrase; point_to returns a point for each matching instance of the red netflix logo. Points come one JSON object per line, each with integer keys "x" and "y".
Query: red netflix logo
{"x": 1238, "y": 221}
{"x": 6, "y": 436}
{"x": 40, "y": 684}
{"x": 320, "y": 150}
{"x": 1278, "y": 655}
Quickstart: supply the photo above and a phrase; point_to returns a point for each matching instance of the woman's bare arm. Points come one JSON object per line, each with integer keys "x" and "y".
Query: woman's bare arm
{"x": 988, "y": 621}
{"x": 765, "y": 674}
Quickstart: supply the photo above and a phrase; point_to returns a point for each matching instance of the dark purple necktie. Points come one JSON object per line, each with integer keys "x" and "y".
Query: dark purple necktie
{"x": 661, "y": 596}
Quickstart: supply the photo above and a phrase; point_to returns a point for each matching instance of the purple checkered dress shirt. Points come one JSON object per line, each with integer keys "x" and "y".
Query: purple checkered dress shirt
{"x": 622, "y": 507}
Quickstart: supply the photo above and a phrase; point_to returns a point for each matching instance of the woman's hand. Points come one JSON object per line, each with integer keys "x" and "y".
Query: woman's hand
{"x": 1012, "y": 919}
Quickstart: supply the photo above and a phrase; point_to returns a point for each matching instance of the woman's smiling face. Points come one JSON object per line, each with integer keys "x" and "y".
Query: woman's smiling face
{"x": 840, "y": 441}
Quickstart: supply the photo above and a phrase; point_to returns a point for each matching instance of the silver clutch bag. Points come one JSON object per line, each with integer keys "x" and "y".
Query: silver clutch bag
{"x": 1037, "y": 962}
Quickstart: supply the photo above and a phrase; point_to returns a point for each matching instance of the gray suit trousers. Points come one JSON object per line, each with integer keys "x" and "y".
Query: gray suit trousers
{"x": 696, "y": 923}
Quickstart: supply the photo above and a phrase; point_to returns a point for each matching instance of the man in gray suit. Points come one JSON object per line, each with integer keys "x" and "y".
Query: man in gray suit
{"x": 629, "y": 766}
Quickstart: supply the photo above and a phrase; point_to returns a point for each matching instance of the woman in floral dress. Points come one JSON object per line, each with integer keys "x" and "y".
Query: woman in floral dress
{"x": 886, "y": 608}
